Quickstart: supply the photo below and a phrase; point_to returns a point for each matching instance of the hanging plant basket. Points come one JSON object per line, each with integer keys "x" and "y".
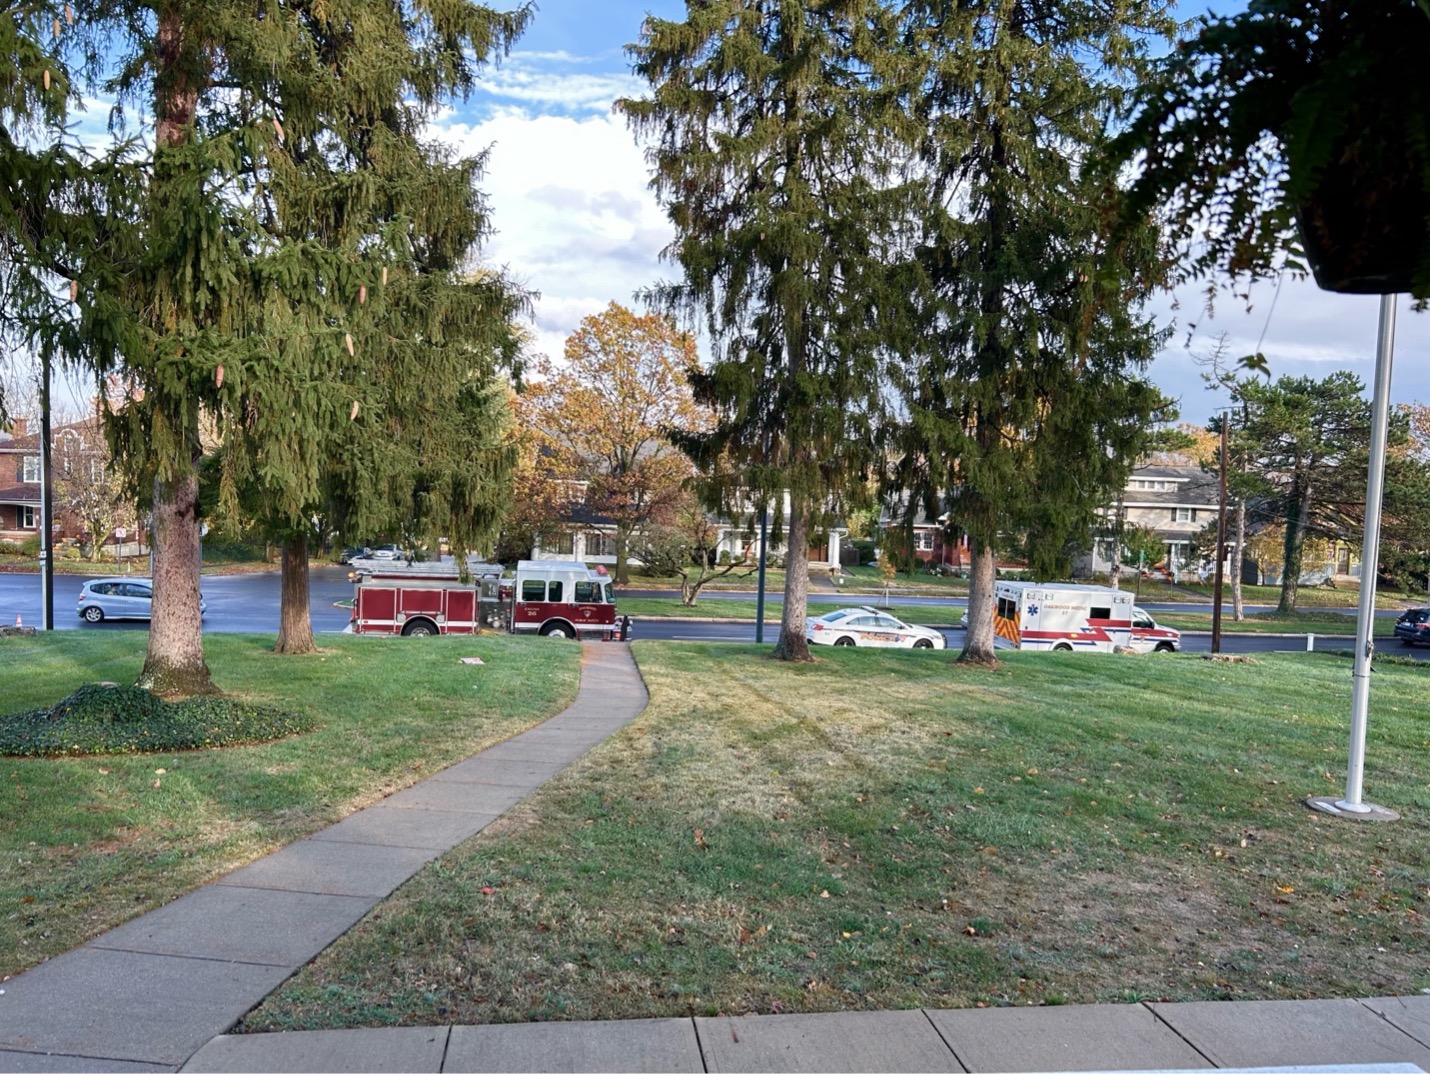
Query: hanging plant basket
{"x": 1361, "y": 130}
{"x": 1363, "y": 233}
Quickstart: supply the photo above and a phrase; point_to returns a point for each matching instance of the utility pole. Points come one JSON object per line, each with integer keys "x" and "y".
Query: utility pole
{"x": 1220, "y": 540}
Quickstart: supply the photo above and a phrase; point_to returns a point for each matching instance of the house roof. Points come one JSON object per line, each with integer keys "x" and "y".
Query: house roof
{"x": 1193, "y": 487}
{"x": 19, "y": 493}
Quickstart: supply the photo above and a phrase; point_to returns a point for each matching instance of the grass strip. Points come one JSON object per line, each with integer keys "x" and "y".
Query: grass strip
{"x": 744, "y": 610}
{"x": 887, "y": 829}
{"x": 89, "y": 842}
{"x": 1272, "y": 622}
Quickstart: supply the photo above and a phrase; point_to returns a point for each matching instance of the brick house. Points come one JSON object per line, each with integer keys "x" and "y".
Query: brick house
{"x": 76, "y": 450}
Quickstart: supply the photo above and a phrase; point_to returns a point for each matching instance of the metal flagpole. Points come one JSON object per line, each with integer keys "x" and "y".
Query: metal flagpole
{"x": 1353, "y": 804}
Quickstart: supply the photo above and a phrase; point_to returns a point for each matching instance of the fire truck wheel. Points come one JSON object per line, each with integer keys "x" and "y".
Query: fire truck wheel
{"x": 561, "y": 632}
{"x": 1062, "y": 647}
{"x": 419, "y": 627}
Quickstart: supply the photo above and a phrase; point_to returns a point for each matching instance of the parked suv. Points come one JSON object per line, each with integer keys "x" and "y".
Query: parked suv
{"x": 1413, "y": 627}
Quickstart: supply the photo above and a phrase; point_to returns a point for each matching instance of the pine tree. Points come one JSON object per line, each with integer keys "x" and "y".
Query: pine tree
{"x": 766, "y": 136}
{"x": 1309, "y": 441}
{"x": 1024, "y": 411}
{"x": 287, "y": 183}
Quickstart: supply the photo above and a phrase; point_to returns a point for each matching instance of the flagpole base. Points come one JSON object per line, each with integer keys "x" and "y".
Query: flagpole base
{"x": 1364, "y": 810}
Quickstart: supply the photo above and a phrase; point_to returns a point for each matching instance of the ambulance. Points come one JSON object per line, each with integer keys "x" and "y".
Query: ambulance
{"x": 1075, "y": 617}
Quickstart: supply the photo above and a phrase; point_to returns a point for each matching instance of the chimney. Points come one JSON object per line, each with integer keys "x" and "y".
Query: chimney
{"x": 19, "y": 426}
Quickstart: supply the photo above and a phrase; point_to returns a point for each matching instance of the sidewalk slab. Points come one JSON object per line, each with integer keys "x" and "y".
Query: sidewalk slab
{"x": 523, "y": 774}
{"x": 562, "y": 751}
{"x": 122, "y": 1005}
{"x": 840, "y": 1043}
{"x": 640, "y": 1046}
{"x": 1281, "y": 1033}
{"x": 449, "y": 795}
{"x": 1095, "y": 1037}
{"x": 1409, "y": 1014}
{"x": 425, "y": 829}
{"x": 30, "y": 1063}
{"x": 331, "y": 868}
{"x": 579, "y": 739}
{"x": 240, "y": 924}
{"x": 416, "y": 1050}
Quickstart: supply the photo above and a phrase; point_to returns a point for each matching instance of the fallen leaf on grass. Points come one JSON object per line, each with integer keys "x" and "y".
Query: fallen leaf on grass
{"x": 700, "y": 839}
{"x": 489, "y": 890}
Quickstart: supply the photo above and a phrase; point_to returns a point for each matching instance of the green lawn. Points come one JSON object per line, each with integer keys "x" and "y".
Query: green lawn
{"x": 88, "y": 842}
{"x": 888, "y": 830}
{"x": 744, "y": 610}
{"x": 1269, "y": 622}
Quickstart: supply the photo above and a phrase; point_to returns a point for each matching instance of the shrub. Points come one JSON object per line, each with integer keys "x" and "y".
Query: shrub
{"x": 218, "y": 550}
{"x": 30, "y": 546}
{"x": 99, "y": 719}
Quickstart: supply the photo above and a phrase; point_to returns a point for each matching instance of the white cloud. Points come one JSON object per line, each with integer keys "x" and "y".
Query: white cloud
{"x": 536, "y": 79}
{"x": 574, "y": 217}
{"x": 1302, "y": 332}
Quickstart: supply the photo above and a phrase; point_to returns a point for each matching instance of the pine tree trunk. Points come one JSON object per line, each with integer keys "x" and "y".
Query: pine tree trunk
{"x": 1295, "y": 545}
{"x": 793, "y": 645}
{"x": 1238, "y": 612}
{"x": 295, "y": 621}
{"x": 982, "y": 578}
{"x": 174, "y": 665}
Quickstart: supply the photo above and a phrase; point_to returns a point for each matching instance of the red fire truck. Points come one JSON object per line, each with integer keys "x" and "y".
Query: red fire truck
{"x": 552, "y": 598}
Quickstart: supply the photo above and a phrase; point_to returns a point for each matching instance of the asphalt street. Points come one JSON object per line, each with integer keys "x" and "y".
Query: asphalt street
{"x": 248, "y": 603}
{"x": 242, "y": 603}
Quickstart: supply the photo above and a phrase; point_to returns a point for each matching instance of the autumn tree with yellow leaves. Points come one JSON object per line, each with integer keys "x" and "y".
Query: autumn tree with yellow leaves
{"x": 602, "y": 415}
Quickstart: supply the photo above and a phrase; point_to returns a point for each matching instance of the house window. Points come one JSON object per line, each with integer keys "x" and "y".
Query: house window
{"x": 26, "y": 517}
{"x": 1177, "y": 553}
{"x": 923, "y": 540}
{"x": 560, "y": 543}
{"x": 1151, "y": 484}
{"x": 96, "y": 470}
{"x": 1184, "y": 515}
{"x": 30, "y": 470}
{"x": 600, "y": 545}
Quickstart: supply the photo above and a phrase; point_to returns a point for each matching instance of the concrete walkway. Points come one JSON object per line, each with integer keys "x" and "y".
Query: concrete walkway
{"x": 149, "y": 994}
{"x": 157, "y": 994}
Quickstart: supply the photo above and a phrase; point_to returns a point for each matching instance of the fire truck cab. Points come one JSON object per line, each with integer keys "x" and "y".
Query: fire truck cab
{"x": 562, "y": 598}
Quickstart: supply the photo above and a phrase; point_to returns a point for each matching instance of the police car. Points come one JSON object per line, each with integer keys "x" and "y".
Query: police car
{"x": 867, "y": 627}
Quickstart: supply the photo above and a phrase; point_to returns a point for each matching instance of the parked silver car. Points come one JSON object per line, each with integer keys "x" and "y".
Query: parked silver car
{"x": 114, "y": 598}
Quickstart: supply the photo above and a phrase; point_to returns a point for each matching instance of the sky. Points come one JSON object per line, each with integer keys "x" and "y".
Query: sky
{"x": 575, "y": 220}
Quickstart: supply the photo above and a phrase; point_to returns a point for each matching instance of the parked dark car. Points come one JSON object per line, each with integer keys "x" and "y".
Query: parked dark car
{"x": 1413, "y": 627}
{"x": 352, "y": 552}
